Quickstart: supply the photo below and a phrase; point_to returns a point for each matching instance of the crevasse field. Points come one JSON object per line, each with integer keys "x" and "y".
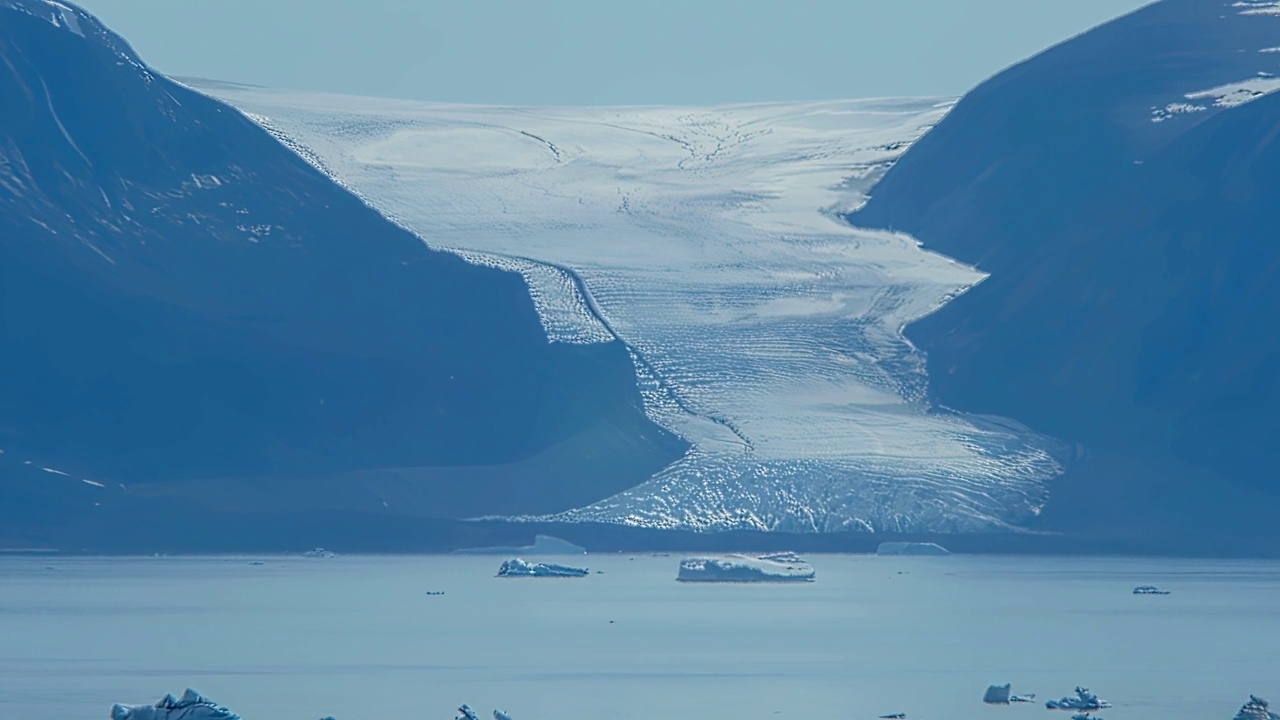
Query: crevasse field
{"x": 765, "y": 330}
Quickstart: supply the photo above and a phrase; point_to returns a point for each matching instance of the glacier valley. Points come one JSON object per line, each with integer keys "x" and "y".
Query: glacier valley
{"x": 765, "y": 330}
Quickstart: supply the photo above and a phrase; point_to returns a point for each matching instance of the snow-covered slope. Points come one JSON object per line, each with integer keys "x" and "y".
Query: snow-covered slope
{"x": 764, "y": 329}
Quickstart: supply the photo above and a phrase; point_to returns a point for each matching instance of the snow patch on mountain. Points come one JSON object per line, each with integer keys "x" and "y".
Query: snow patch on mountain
{"x": 764, "y": 329}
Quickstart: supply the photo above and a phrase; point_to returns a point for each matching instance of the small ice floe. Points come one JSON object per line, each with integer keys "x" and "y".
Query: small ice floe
{"x": 500, "y": 715}
{"x": 1149, "y": 590}
{"x": 320, "y": 553}
{"x": 191, "y": 706}
{"x": 894, "y": 716}
{"x": 516, "y": 567}
{"x": 1083, "y": 700}
{"x": 1256, "y": 709}
{"x": 1085, "y": 716}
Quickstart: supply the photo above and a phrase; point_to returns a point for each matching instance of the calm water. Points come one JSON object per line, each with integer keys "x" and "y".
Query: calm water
{"x": 357, "y": 637}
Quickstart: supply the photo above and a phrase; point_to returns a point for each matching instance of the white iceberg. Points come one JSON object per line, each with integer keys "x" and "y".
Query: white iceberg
{"x": 1083, "y": 700}
{"x": 516, "y": 567}
{"x": 542, "y": 545}
{"x": 780, "y": 567}
{"x": 1256, "y": 709}
{"x": 911, "y": 548}
{"x": 1149, "y": 590}
{"x": 192, "y": 706}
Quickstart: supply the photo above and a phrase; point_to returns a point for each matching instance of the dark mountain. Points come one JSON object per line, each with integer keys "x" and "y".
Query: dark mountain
{"x": 1130, "y": 224}
{"x": 197, "y": 324}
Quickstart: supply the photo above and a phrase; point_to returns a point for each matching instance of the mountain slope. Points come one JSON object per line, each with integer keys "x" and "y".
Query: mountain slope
{"x": 192, "y": 314}
{"x": 1122, "y": 191}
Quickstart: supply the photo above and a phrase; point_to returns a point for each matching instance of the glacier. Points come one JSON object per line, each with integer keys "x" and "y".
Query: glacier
{"x": 765, "y": 330}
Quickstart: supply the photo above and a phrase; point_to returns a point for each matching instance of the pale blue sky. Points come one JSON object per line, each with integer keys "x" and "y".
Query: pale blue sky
{"x": 583, "y": 52}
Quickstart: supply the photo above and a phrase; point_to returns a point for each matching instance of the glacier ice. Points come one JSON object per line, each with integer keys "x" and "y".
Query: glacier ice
{"x": 542, "y": 545}
{"x": 764, "y": 329}
{"x": 191, "y": 706}
{"x": 998, "y": 694}
{"x": 517, "y": 567}
{"x": 911, "y": 548}
{"x": 781, "y": 567}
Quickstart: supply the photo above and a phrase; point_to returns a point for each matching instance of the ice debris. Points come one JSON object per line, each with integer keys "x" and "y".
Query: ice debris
{"x": 1083, "y": 700}
{"x": 320, "y": 553}
{"x": 1256, "y": 709}
{"x": 516, "y": 567}
{"x": 192, "y": 706}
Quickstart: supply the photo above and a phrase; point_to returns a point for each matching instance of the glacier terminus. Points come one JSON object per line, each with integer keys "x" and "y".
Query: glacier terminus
{"x": 765, "y": 330}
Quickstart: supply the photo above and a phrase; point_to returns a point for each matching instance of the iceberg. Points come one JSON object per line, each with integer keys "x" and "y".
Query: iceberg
{"x": 1149, "y": 590}
{"x": 780, "y": 567}
{"x": 192, "y": 706}
{"x": 542, "y": 545}
{"x": 911, "y": 548}
{"x": 516, "y": 567}
{"x": 998, "y": 694}
{"x": 1083, "y": 700}
{"x": 1256, "y": 709}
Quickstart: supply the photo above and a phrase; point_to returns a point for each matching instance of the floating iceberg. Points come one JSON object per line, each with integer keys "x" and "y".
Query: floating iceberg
{"x": 1256, "y": 709}
{"x": 911, "y": 548}
{"x": 192, "y": 706}
{"x": 998, "y": 694}
{"x": 542, "y": 545}
{"x": 1085, "y": 716}
{"x": 1083, "y": 700}
{"x": 516, "y": 567}
{"x": 780, "y": 567}
{"x": 1149, "y": 590}
{"x": 1003, "y": 695}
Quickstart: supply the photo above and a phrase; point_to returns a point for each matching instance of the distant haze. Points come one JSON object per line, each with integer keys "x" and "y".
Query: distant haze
{"x": 588, "y": 52}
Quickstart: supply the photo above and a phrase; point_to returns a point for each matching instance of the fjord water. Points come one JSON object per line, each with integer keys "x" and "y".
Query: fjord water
{"x": 360, "y": 638}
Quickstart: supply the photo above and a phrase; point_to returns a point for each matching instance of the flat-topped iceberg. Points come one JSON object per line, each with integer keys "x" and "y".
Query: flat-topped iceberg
{"x": 1083, "y": 700}
{"x": 1149, "y": 590}
{"x": 192, "y": 706}
{"x": 911, "y": 548}
{"x": 542, "y": 545}
{"x": 1256, "y": 709}
{"x": 779, "y": 567}
{"x": 515, "y": 567}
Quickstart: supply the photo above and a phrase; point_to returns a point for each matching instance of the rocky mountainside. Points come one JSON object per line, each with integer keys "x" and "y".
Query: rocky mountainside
{"x": 1123, "y": 192}
{"x": 196, "y": 321}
